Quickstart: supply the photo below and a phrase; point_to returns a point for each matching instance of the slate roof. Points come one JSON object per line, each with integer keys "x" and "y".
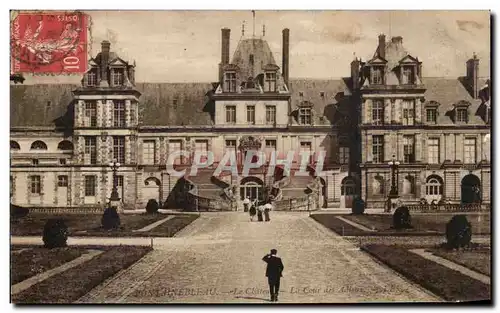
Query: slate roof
{"x": 262, "y": 56}
{"x": 44, "y": 105}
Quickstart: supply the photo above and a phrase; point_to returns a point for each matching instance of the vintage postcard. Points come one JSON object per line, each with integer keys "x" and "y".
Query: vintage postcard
{"x": 260, "y": 157}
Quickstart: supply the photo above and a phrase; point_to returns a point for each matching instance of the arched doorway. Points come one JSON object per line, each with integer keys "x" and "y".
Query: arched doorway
{"x": 470, "y": 189}
{"x": 151, "y": 190}
{"x": 347, "y": 192}
{"x": 433, "y": 189}
{"x": 251, "y": 187}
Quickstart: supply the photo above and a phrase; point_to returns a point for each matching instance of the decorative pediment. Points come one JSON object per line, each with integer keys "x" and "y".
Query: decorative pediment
{"x": 118, "y": 62}
{"x": 432, "y": 104}
{"x": 377, "y": 60}
{"x": 408, "y": 59}
{"x": 270, "y": 67}
{"x": 250, "y": 143}
{"x": 462, "y": 104}
{"x": 231, "y": 67}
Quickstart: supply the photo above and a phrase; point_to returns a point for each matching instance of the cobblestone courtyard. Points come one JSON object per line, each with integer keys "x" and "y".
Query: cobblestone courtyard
{"x": 217, "y": 259}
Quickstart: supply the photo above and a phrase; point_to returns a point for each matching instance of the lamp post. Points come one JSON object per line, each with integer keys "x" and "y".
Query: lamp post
{"x": 393, "y": 193}
{"x": 115, "y": 197}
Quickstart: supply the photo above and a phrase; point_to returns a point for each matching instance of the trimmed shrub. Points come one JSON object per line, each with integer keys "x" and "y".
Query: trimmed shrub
{"x": 152, "y": 206}
{"x": 358, "y": 206}
{"x": 401, "y": 218}
{"x": 18, "y": 211}
{"x": 110, "y": 218}
{"x": 458, "y": 232}
{"x": 55, "y": 233}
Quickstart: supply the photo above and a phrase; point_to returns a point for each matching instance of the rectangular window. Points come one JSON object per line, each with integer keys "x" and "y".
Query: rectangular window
{"x": 119, "y": 149}
{"x": 251, "y": 114}
{"x": 408, "y": 75}
{"x": 117, "y": 77}
{"x": 119, "y": 180}
{"x": 230, "y": 82}
{"x": 90, "y": 186}
{"x": 270, "y": 114}
{"x": 378, "y": 148}
{"x": 377, "y": 75}
{"x": 408, "y": 112}
{"x": 271, "y": 143}
{"x": 34, "y": 161}
{"x": 119, "y": 113}
{"x": 174, "y": 146}
{"x": 433, "y": 150}
{"x": 62, "y": 181}
{"x": 378, "y": 112}
{"x": 431, "y": 115}
{"x": 409, "y": 149}
{"x": 148, "y": 152}
{"x": 470, "y": 150}
{"x": 306, "y": 146}
{"x": 90, "y": 118}
{"x": 344, "y": 155}
{"x": 230, "y": 144}
{"x": 270, "y": 83}
{"x": 90, "y": 153}
{"x": 305, "y": 116}
{"x": 35, "y": 185}
{"x": 201, "y": 147}
{"x": 91, "y": 78}
{"x": 462, "y": 115}
{"x": 231, "y": 114}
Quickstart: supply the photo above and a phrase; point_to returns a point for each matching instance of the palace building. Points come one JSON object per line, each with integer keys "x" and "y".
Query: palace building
{"x": 63, "y": 137}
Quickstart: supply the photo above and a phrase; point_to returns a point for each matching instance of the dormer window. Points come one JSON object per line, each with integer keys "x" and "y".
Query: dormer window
{"x": 305, "y": 115}
{"x": 431, "y": 114}
{"x": 230, "y": 82}
{"x": 270, "y": 82}
{"x": 117, "y": 77}
{"x": 377, "y": 75}
{"x": 408, "y": 75}
{"x": 92, "y": 78}
{"x": 462, "y": 115}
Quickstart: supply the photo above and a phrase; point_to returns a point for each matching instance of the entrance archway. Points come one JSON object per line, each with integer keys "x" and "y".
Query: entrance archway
{"x": 251, "y": 187}
{"x": 347, "y": 192}
{"x": 151, "y": 189}
{"x": 470, "y": 189}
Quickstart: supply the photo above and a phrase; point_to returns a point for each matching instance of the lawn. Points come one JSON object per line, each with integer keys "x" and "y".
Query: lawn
{"x": 171, "y": 227}
{"x": 36, "y": 260}
{"x": 476, "y": 260}
{"x": 424, "y": 223}
{"x": 449, "y": 284}
{"x": 340, "y": 227}
{"x": 72, "y": 284}
{"x": 81, "y": 224}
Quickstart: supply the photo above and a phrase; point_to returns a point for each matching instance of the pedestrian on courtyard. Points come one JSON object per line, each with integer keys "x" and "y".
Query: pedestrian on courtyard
{"x": 274, "y": 272}
{"x": 252, "y": 211}
{"x": 246, "y": 204}
{"x": 259, "y": 213}
{"x": 267, "y": 209}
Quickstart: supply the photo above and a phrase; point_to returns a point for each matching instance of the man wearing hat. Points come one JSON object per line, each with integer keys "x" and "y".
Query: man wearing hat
{"x": 273, "y": 273}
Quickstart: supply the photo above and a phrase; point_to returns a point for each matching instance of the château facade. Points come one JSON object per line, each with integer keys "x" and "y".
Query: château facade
{"x": 63, "y": 137}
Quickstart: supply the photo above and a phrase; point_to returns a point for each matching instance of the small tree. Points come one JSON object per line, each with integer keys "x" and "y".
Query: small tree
{"x": 358, "y": 206}
{"x": 401, "y": 218}
{"x": 152, "y": 206}
{"x": 55, "y": 233}
{"x": 110, "y": 218}
{"x": 458, "y": 232}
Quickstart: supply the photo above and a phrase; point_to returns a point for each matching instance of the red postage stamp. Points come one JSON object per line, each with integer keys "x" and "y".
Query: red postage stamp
{"x": 49, "y": 43}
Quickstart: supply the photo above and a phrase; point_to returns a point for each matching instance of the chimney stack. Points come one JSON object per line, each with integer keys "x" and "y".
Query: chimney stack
{"x": 286, "y": 55}
{"x": 381, "y": 46}
{"x": 355, "y": 64}
{"x": 226, "y": 36}
{"x": 105, "y": 48}
{"x": 473, "y": 75}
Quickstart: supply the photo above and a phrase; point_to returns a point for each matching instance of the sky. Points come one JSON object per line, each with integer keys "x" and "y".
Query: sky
{"x": 184, "y": 46}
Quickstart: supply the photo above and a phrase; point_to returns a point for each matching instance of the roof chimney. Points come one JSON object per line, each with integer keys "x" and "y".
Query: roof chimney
{"x": 381, "y": 46}
{"x": 355, "y": 64}
{"x": 105, "y": 47}
{"x": 286, "y": 55}
{"x": 398, "y": 40}
{"x": 226, "y": 35}
{"x": 473, "y": 75}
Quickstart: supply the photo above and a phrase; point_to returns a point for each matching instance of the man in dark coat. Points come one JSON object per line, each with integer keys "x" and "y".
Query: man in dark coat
{"x": 273, "y": 273}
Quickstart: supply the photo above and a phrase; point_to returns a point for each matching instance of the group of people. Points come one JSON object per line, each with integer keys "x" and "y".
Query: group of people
{"x": 262, "y": 210}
